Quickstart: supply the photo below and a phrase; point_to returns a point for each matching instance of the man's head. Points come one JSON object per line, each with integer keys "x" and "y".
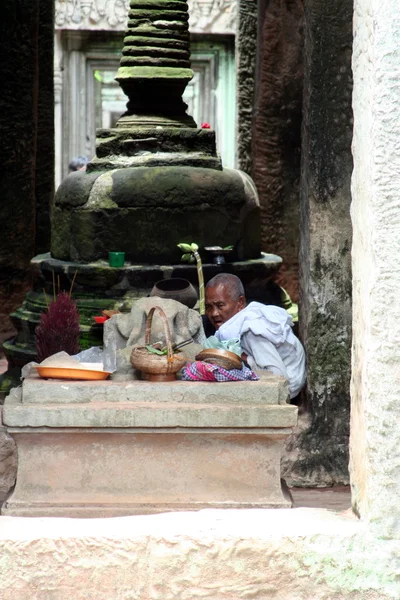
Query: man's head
{"x": 224, "y": 298}
{"x": 78, "y": 163}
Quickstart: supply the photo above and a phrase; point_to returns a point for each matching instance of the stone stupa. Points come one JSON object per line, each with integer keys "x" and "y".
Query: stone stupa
{"x": 156, "y": 180}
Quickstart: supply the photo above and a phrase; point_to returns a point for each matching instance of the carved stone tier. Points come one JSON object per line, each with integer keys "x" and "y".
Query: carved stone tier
{"x": 155, "y": 64}
{"x": 106, "y": 449}
{"x": 145, "y": 212}
{"x": 152, "y": 146}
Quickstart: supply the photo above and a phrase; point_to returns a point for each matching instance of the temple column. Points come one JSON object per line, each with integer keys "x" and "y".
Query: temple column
{"x": 18, "y": 123}
{"x": 375, "y": 388}
{"x": 325, "y": 229}
{"x": 26, "y": 157}
{"x": 276, "y": 139}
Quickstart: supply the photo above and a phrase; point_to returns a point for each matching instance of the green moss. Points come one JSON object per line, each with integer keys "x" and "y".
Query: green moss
{"x": 154, "y": 72}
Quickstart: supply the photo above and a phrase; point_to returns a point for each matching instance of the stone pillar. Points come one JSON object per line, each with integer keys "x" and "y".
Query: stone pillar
{"x": 375, "y": 388}
{"x": 18, "y": 124}
{"x": 44, "y": 171}
{"x": 246, "y": 51}
{"x": 26, "y": 145}
{"x": 276, "y": 136}
{"x": 325, "y": 270}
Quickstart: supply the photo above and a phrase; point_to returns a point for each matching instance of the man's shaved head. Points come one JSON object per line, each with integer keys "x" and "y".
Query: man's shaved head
{"x": 230, "y": 282}
{"x": 224, "y": 298}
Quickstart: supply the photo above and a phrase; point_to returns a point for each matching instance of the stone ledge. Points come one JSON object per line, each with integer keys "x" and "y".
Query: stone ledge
{"x": 134, "y": 414}
{"x": 270, "y": 390}
{"x": 212, "y": 554}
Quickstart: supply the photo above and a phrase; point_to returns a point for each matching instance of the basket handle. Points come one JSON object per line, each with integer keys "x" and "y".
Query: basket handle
{"x": 167, "y": 332}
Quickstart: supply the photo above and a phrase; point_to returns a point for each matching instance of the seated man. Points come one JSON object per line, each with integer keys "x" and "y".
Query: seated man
{"x": 265, "y": 332}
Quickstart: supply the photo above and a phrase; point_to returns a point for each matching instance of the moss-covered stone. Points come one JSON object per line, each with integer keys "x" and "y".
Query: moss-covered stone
{"x": 200, "y": 189}
{"x": 149, "y": 29}
{"x": 166, "y": 4}
{"x": 135, "y": 141}
{"x": 165, "y": 42}
{"x": 153, "y": 72}
{"x": 145, "y": 212}
{"x": 159, "y": 52}
{"x": 157, "y": 14}
{"x": 60, "y": 232}
{"x": 74, "y": 190}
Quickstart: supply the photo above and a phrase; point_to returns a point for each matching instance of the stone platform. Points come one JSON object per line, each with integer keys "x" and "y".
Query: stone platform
{"x": 110, "y": 448}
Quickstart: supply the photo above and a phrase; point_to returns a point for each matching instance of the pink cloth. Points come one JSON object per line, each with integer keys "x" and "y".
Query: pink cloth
{"x": 202, "y": 371}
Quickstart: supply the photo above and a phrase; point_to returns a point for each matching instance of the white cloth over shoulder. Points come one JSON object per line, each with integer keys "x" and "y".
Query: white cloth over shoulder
{"x": 266, "y": 336}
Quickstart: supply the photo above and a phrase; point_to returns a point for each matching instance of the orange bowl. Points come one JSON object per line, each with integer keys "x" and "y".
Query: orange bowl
{"x": 68, "y": 373}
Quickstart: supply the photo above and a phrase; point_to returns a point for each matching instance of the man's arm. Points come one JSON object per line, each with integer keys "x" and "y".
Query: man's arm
{"x": 263, "y": 353}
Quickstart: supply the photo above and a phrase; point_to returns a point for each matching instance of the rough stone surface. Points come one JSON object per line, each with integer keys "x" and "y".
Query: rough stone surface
{"x": 277, "y": 126}
{"x": 299, "y": 554}
{"x": 325, "y": 307}
{"x": 375, "y": 454}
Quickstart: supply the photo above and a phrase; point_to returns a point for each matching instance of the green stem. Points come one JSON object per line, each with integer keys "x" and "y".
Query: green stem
{"x": 202, "y": 303}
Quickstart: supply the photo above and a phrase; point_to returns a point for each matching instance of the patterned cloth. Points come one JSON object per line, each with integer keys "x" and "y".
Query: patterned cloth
{"x": 202, "y": 371}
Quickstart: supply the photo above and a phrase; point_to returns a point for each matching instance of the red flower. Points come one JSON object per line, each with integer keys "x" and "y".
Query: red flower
{"x": 205, "y": 126}
{"x": 58, "y": 328}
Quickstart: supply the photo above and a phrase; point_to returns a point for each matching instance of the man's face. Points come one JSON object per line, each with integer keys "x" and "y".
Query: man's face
{"x": 219, "y": 305}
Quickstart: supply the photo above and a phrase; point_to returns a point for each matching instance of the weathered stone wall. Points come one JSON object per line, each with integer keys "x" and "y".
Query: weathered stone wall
{"x": 246, "y": 51}
{"x": 325, "y": 276}
{"x": 25, "y": 142}
{"x": 276, "y": 131}
{"x": 375, "y": 210}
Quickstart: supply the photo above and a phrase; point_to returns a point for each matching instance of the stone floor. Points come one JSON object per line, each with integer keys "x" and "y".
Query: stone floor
{"x": 274, "y": 554}
{"x": 337, "y": 498}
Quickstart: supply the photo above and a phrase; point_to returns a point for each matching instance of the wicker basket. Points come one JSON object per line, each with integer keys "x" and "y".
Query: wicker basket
{"x": 153, "y": 366}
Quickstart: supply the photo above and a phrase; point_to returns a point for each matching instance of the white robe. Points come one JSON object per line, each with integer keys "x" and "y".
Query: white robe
{"x": 266, "y": 336}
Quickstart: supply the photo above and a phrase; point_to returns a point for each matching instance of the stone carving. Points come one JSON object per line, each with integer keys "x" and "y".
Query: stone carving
{"x": 124, "y": 331}
{"x": 57, "y": 84}
{"x": 206, "y": 16}
{"x": 91, "y": 14}
{"x": 213, "y": 16}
